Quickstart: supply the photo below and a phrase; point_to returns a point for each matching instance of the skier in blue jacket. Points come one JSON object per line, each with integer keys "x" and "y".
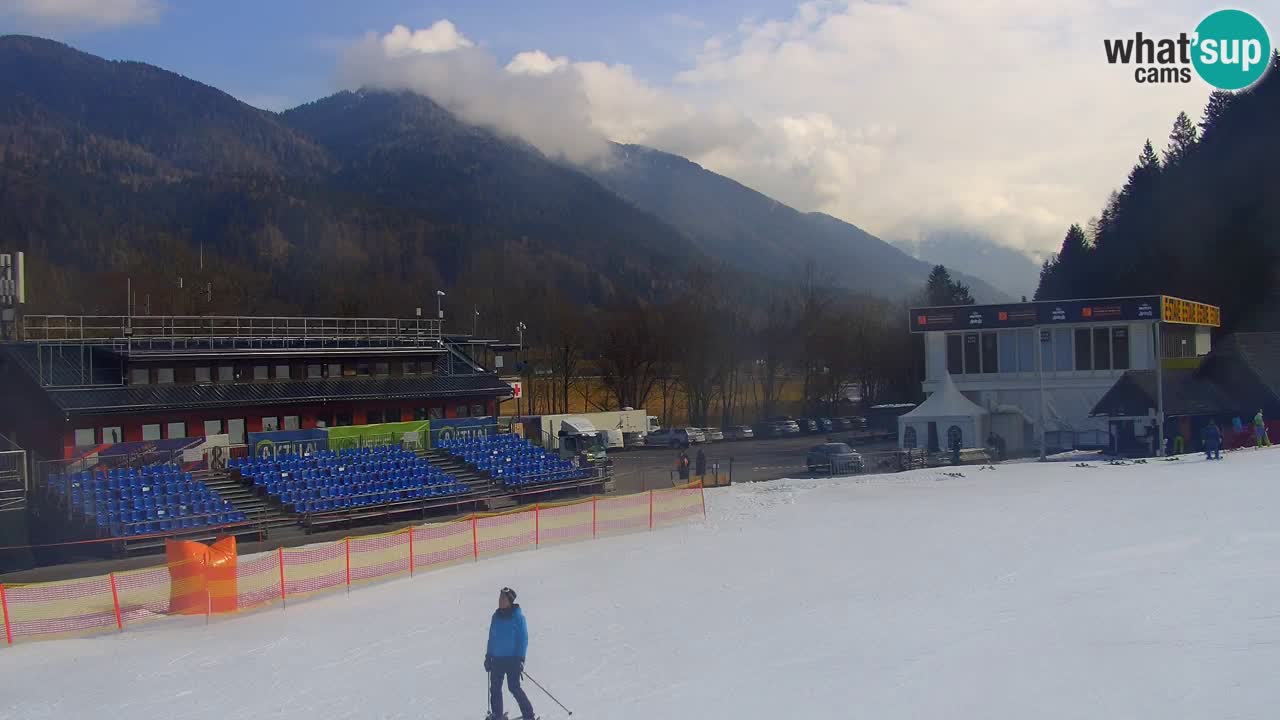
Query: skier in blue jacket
{"x": 508, "y": 643}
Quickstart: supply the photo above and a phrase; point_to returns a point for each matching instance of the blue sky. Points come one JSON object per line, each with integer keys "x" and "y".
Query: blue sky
{"x": 999, "y": 119}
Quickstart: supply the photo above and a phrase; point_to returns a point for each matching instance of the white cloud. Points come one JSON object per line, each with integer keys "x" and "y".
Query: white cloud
{"x": 442, "y": 37}
{"x": 547, "y": 110}
{"x": 536, "y": 62}
{"x": 81, "y": 14}
{"x": 997, "y": 116}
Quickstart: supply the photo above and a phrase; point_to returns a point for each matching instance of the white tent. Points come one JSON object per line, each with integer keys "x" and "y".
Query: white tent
{"x": 950, "y": 413}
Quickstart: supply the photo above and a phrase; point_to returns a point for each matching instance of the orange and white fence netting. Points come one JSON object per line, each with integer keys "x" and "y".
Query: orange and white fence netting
{"x": 110, "y": 603}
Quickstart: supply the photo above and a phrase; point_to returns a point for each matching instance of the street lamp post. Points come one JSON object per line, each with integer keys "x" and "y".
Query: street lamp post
{"x": 520, "y": 328}
{"x": 440, "y": 307}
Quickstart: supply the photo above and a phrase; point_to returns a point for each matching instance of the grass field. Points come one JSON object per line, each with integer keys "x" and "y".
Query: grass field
{"x": 590, "y": 395}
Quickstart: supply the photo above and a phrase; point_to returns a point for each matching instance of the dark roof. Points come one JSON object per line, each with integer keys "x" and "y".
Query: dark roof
{"x": 1261, "y": 352}
{"x": 133, "y": 398}
{"x": 67, "y": 365}
{"x": 1184, "y": 394}
{"x": 1240, "y": 375}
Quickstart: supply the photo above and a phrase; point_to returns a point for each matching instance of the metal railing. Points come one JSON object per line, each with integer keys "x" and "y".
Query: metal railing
{"x": 194, "y": 330}
{"x": 14, "y": 483}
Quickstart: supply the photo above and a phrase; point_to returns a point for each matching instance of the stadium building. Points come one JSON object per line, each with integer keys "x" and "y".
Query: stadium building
{"x": 1021, "y": 370}
{"x": 138, "y": 428}
{"x": 77, "y": 383}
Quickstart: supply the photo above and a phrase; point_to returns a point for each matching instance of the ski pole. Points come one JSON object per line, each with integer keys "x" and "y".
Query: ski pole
{"x": 544, "y": 690}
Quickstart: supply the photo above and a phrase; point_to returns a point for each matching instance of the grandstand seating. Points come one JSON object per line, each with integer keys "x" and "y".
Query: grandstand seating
{"x": 354, "y": 478}
{"x": 158, "y": 498}
{"x": 513, "y": 461}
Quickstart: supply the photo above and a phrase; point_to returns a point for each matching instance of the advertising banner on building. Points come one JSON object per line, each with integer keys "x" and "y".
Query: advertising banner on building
{"x": 268, "y": 445}
{"x": 1015, "y": 315}
{"x": 1055, "y": 312}
{"x": 411, "y": 435}
{"x": 462, "y": 428}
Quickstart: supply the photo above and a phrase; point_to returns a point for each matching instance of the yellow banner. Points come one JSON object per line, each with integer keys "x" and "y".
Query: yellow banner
{"x": 1187, "y": 312}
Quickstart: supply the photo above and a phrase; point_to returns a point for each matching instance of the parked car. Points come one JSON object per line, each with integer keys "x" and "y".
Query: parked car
{"x": 856, "y": 422}
{"x": 674, "y": 437}
{"x": 713, "y": 434}
{"x": 738, "y": 432}
{"x": 792, "y": 427}
{"x": 771, "y": 429}
{"x": 808, "y": 426}
{"x": 833, "y": 459}
{"x": 827, "y": 425}
{"x": 841, "y": 424}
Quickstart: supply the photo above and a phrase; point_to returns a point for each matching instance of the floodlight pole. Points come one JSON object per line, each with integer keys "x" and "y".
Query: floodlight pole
{"x": 1044, "y": 451}
{"x": 1159, "y": 391}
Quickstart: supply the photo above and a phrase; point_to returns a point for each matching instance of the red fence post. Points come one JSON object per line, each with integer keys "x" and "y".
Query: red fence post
{"x": 4, "y": 604}
{"x": 347, "y": 543}
{"x": 115, "y": 600}
{"x": 280, "y": 554}
{"x": 650, "y": 509}
{"x": 475, "y": 538}
{"x": 593, "y": 516}
{"x": 537, "y": 524}
{"x": 410, "y": 552}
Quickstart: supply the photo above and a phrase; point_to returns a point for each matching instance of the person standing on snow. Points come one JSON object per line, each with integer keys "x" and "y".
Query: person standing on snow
{"x": 700, "y": 464}
{"x": 1260, "y": 431}
{"x": 1211, "y": 441}
{"x": 504, "y": 658}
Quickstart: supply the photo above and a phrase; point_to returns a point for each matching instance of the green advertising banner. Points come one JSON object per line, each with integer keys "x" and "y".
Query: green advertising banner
{"x": 409, "y": 434}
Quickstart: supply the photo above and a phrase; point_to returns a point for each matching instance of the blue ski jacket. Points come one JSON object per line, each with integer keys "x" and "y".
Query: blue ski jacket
{"x": 508, "y": 634}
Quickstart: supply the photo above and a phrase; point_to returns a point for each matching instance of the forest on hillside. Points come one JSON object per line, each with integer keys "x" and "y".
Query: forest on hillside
{"x": 1199, "y": 219}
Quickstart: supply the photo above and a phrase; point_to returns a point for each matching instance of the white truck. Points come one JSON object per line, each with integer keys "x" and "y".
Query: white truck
{"x": 618, "y": 429}
{"x": 577, "y": 437}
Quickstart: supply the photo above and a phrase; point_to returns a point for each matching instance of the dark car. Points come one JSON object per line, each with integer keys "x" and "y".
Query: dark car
{"x": 841, "y": 424}
{"x": 833, "y": 459}
{"x": 808, "y": 426}
{"x": 738, "y": 432}
{"x": 771, "y": 429}
{"x": 827, "y": 425}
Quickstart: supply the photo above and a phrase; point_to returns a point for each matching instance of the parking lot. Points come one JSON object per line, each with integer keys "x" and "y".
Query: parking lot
{"x": 751, "y": 460}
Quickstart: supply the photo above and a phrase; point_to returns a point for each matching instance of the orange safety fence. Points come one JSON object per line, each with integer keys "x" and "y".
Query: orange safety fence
{"x": 210, "y": 580}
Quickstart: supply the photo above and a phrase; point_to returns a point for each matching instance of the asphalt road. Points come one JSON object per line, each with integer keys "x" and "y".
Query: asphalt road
{"x": 751, "y": 460}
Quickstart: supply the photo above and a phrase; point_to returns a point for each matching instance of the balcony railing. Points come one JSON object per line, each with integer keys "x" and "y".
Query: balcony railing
{"x": 208, "y": 330}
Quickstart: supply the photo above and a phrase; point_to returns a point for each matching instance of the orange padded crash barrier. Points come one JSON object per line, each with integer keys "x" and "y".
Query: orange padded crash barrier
{"x": 202, "y": 577}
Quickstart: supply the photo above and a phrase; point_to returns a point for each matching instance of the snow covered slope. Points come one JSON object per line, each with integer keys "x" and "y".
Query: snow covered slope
{"x": 1030, "y": 591}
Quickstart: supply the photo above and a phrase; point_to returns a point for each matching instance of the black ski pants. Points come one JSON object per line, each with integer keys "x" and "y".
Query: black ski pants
{"x": 509, "y": 668}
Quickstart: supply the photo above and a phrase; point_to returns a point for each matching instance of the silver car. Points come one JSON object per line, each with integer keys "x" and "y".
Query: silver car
{"x": 713, "y": 434}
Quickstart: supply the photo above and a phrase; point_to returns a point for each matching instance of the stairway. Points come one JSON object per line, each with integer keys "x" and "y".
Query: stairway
{"x": 246, "y": 499}
{"x": 481, "y": 483}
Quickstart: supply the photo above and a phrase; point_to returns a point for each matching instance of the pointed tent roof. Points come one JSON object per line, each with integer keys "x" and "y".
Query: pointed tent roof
{"x": 946, "y": 401}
